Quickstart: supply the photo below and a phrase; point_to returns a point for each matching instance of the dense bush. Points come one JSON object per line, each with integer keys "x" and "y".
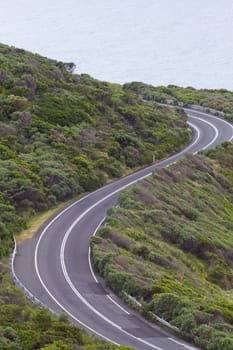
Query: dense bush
{"x": 62, "y": 134}
{"x": 25, "y": 326}
{"x": 210, "y": 100}
{"x": 169, "y": 244}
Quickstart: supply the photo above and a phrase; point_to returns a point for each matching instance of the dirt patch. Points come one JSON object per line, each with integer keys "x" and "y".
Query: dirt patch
{"x": 35, "y": 222}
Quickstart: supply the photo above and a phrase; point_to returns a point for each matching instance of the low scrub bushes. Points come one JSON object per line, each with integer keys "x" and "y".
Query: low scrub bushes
{"x": 63, "y": 134}
{"x": 178, "y": 257}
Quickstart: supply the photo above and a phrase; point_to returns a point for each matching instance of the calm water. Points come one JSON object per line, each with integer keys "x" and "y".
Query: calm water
{"x": 182, "y": 42}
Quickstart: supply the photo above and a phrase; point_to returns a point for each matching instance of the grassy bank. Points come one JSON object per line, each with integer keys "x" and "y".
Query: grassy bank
{"x": 169, "y": 244}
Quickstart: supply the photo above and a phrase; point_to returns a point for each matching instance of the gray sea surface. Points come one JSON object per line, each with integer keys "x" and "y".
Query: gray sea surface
{"x": 181, "y": 42}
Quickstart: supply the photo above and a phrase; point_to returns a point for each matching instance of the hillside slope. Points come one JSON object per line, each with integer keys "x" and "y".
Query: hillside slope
{"x": 62, "y": 134}
{"x": 170, "y": 245}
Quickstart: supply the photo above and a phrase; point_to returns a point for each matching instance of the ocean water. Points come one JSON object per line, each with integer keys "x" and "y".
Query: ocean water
{"x": 181, "y": 42}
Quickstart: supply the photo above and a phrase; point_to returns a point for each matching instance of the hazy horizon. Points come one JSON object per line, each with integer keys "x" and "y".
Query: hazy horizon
{"x": 159, "y": 42}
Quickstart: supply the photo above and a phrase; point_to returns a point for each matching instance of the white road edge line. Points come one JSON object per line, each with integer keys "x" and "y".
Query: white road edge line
{"x": 182, "y": 344}
{"x": 214, "y": 117}
{"x": 90, "y": 266}
{"x": 67, "y": 208}
{"x": 118, "y": 305}
{"x": 60, "y": 214}
{"x": 66, "y": 275}
{"x": 101, "y": 222}
{"x": 62, "y": 254}
{"x": 215, "y": 130}
{"x": 52, "y": 296}
{"x": 78, "y": 219}
{"x": 89, "y": 251}
{"x": 93, "y": 273}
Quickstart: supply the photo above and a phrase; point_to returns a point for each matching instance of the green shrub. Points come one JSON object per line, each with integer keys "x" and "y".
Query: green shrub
{"x": 179, "y": 259}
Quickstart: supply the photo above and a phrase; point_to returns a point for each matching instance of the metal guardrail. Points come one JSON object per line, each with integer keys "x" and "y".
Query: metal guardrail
{"x": 17, "y": 282}
{"x": 156, "y": 317}
{"x": 204, "y": 109}
{"x": 35, "y": 300}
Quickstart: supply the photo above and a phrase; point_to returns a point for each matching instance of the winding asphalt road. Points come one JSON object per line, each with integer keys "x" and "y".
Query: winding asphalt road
{"x": 55, "y": 266}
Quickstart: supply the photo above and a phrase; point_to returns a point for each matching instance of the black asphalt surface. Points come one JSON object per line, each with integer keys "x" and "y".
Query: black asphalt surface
{"x": 54, "y": 265}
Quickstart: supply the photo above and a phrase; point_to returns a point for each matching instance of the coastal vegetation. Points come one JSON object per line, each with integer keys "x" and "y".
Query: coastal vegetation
{"x": 25, "y": 326}
{"x": 169, "y": 244}
{"x": 170, "y": 241}
{"x": 220, "y": 100}
{"x": 63, "y": 134}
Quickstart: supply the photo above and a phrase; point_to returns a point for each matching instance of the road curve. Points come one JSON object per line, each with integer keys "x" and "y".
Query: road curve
{"x": 55, "y": 266}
